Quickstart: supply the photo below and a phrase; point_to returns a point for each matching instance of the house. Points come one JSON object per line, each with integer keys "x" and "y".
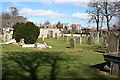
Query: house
{"x": 49, "y": 31}
{"x": 7, "y": 29}
{"x": 76, "y": 27}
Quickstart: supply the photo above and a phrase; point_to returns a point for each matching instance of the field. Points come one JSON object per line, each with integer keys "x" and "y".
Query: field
{"x": 82, "y": 62}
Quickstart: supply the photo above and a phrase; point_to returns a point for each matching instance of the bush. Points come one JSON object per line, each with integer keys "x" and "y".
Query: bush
{"x": 28, "y": 31}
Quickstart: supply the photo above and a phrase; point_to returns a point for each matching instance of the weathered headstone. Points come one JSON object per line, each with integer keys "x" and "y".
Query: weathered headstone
{"x": 72, "y": 35}
{"x": 89, "y": 40}
{"x": 35, "y": 45}
{"x": 79, "y": 40}
{"x": 113, "y": 43}
{"x": 105, "y": 41}
{"x": 72, "y": 43}
{"x": 115, "y": 69}
{"x": 56, "y": 36}
{"x": 65, "y": 38}
{"x": 96, "y": 37}
{"x": 113, "y": 55}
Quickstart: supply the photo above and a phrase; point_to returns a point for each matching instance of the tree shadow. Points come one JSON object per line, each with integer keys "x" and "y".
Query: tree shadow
{"x": 99, "y": 49}
{"x": 18, "y": 64}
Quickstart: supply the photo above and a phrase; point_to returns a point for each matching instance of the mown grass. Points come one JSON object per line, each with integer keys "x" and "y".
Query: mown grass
{"x": 81, "y": 58}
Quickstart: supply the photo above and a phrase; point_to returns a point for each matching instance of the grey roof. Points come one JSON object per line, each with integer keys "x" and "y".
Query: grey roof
{"x": 9, "y": 22}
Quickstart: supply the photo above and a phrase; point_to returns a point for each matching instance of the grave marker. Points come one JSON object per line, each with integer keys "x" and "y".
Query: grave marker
{"x": 72, "y": 43}
{"x": 65, "y": 38}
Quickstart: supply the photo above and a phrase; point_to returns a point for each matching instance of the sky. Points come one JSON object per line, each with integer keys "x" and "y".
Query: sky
{"x": 65, "y": 11}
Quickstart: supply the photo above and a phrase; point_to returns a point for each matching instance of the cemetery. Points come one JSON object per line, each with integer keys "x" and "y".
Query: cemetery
{"x": 68, "y": 54}
{"x": 80, "y": 58}
{"x": 56, "y": 51}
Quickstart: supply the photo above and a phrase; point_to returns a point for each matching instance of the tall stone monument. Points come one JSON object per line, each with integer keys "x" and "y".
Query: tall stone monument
{"x": 72, "y": 43}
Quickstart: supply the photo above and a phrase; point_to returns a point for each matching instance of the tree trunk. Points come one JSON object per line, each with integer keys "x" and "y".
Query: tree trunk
{"x": 97, "y": 25}
{"x": 108, "y": 26}
{"x": 33, "y": 74}
{"x": 53, "y": 70}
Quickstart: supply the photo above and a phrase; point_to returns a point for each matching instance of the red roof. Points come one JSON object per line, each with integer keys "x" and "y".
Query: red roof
{"x": 76, "y": 25}
{"x": 54, "y": 25}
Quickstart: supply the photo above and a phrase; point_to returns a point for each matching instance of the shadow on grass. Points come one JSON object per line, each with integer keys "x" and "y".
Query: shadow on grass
{"x": 100, "y": 67}
{"x": 99, "y": 49}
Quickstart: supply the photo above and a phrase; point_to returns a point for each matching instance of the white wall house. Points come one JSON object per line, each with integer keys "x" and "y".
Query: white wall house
{"x": 7, "y": 34}
{"x": 50, "y": 32}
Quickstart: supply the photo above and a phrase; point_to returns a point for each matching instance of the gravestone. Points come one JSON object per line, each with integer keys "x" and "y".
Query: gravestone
{"x": 65, "y": 38}
{"x": 105, "y": 41}
{"x": 114, "y": 59}
{"x": 79, "y": 40}
{"x": 89, "y": 40}
{"x": 72, "y": 35}
{"x": 72, "y": 43}
{"x": 115, "y": 69}
{"x": 113, "y": 43}
{"x": 96, "y": 38}
{"x": 56, "y": 36}
{"x": 113, "y": 55}
{"x": 35, "y": 45}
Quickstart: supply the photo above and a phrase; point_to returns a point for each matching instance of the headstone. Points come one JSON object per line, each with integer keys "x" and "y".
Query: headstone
{"x": 113, "y": 55}
{"x": 113, "y": 43}
{"x": 72, "y": 35}
{"x": 65, "y": 38}
{"x": 72, "y": 43}
{"x": 89, "y": 40}
{"x": 114, "y": 69}
{"x": 79, "y": 40}
{"x": 56, "y": 36}
{"x": 105, "y": 41}
{"x": 96, "y": 37}
{"x": 35, "y": 45}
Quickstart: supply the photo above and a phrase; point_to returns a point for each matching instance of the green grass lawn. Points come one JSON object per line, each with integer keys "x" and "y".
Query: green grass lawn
{"x": 81, "y": 58}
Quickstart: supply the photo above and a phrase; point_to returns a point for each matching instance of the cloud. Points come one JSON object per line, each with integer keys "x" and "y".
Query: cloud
{"x": 80, "y": 16}
{"x": 62, "y": 1}
{"x": 42, "y": 13}
{"x": 18, "y": 4}
{"x": 71, "y": 2}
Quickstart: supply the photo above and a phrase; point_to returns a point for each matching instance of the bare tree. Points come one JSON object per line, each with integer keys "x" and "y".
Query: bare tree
{"x": 103, "y": 8}
{"x": 94, "y": 12}
{"x": 108, "y": 10}
{"x": 13, "y": 11}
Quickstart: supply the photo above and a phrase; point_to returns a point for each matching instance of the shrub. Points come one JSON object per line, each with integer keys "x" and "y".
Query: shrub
{"x": 28, "y": 31}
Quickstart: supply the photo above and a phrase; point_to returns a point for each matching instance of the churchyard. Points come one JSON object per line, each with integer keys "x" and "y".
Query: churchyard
{"x": 83, "y": 61}
{"x": 74, "y": 43}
